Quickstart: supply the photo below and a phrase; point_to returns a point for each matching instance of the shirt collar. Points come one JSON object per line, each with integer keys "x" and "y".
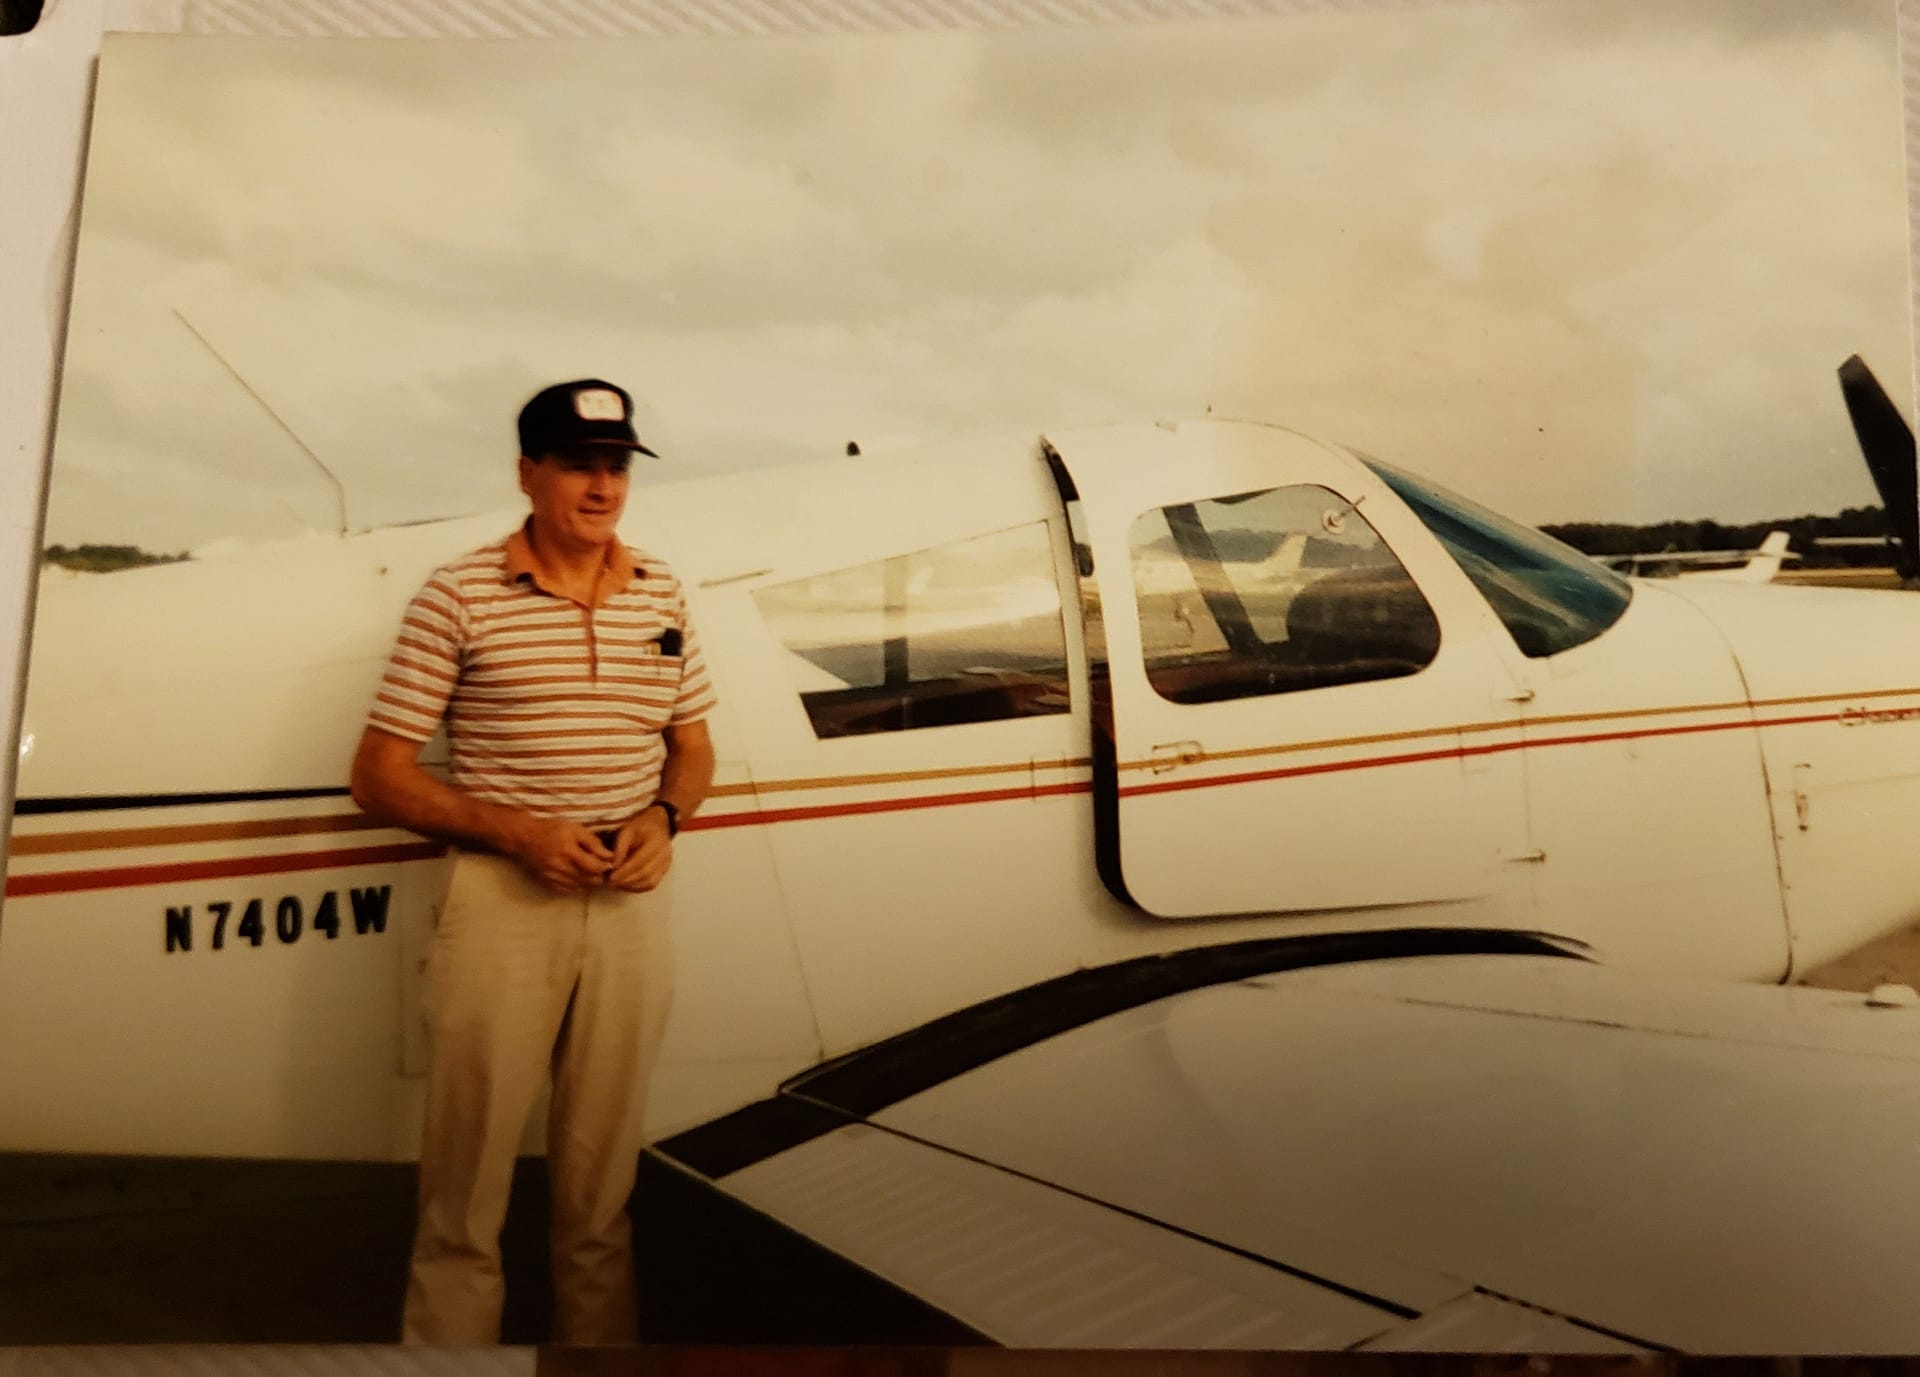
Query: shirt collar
{"x": 521, "y": 565}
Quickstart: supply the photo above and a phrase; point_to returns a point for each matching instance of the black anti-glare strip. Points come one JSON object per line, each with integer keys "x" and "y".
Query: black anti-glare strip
{"x": 861, "y": 1083}
{"x": 101, "y": 803}
{"x": 750, "y": 1135}
{"x": 864, "y": 1082}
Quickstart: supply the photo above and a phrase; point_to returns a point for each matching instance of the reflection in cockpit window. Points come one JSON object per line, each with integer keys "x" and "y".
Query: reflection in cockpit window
{"x": 965, "y": 632}
{"x": 1549, "y": 596}
{"x": 1272, "y": 592}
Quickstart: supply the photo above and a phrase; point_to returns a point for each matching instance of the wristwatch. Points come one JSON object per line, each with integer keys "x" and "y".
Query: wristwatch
{"x": 673, "y": 816}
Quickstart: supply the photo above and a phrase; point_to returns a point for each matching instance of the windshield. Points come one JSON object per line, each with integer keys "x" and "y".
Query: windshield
{"x": 1549, "y": 596}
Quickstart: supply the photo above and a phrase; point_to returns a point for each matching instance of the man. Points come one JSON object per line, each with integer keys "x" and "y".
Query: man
{"x": 574, "y": 695}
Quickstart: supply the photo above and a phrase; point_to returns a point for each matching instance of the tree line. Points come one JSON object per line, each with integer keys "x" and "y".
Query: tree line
{"x": 1614, "y": 538}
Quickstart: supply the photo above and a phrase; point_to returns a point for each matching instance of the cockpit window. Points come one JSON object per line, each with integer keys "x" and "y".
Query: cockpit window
{"x": 1272, "y": 592}
{"x": 1549, "y": 596}
{"x": 965, "y": 632}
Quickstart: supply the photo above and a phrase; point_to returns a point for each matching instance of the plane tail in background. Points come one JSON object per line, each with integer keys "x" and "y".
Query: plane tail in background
{"x": 1886, "y": 441}
{"x": 1760, "y": 567}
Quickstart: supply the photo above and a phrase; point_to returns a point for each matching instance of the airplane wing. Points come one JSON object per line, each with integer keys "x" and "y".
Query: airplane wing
{"x": 1757, "y": 565}
{"x": 1663, "y": 558}
{"x": 1397, "y": 1142}
{"x": 1760, "y": 567}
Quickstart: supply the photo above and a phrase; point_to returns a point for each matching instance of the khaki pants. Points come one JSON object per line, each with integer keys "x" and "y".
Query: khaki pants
{"x": 523, "y": 983}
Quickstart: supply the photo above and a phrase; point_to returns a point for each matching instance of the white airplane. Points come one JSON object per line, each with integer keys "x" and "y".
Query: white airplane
{"x": 1761, "y": 566}
{"x": 1384, "y": 727}
{"x": 1758, "y": 565}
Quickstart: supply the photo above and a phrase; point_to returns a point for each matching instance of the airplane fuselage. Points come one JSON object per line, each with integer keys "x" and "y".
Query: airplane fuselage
{"x": 988, "y": 713}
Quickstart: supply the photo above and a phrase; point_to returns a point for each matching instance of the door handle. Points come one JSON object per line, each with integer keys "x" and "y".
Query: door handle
{"x": 1172, "y": 755}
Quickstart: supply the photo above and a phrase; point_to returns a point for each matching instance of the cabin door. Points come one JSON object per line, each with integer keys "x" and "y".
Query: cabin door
{"x": 1297, "y": 703}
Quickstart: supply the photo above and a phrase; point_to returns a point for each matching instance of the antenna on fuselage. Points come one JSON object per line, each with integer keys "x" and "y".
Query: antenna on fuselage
{"x": 339, "y": 488}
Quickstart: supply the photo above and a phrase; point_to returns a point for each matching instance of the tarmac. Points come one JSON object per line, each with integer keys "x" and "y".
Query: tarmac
{"x": 103, "y": 1250}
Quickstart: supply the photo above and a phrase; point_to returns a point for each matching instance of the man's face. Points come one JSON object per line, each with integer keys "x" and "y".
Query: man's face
{"x": 577, "y": 496}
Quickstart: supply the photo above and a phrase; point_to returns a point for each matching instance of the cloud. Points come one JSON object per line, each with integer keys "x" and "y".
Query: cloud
{"x": 1582, "y": 259}
{"x": 269, "y": 163}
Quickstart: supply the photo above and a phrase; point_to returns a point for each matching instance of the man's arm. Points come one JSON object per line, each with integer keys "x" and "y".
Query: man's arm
{"x": 643, "y": 850}
{"x": 390, "y": 784}
{"x": 689, "y": 768}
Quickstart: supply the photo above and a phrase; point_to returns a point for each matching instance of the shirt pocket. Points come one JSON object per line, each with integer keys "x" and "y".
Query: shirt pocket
{"x": 665, "y": 669}
{"x": 647, "y": 685}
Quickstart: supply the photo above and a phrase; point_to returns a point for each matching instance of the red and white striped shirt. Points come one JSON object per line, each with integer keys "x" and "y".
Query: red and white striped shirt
{"x": 551, "y": 705}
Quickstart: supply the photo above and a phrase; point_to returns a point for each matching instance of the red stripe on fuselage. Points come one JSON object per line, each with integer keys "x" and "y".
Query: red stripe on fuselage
{"x": 128, "y": 876}
{"x": 884, "y": 805}
{"x": 1463, "y": 752}
{"x": 74, "y": 881}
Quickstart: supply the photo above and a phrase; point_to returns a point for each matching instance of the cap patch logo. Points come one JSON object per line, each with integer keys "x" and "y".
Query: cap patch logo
{"x": 598, "y": 404}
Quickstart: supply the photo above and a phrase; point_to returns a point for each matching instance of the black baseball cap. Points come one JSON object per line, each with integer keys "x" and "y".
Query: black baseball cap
{"x": 572, "y": 415}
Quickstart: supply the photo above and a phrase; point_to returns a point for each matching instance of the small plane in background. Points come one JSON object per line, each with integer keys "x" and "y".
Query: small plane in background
{"x": 1868, "y": 562}
{"x": 1025, "y": 747}
{"x": 1757, "y": 565}
{"x": 1887, "y": 443}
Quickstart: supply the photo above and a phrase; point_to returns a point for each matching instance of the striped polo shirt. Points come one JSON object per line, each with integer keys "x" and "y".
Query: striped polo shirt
{"x": 551, "y": 705}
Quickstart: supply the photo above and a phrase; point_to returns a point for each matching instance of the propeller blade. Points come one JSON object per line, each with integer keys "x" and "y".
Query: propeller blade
{"x": 1886, "y": 440}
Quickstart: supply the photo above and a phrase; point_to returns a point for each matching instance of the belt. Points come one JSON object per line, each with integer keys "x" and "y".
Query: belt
{"x": 607, "y": 835}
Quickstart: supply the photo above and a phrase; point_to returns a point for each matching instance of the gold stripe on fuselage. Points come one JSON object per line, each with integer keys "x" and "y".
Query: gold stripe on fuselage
{"x": 56, "y": 843}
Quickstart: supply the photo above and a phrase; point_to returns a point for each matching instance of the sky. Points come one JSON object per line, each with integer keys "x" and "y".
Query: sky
{"x": 1581, "y": 259}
